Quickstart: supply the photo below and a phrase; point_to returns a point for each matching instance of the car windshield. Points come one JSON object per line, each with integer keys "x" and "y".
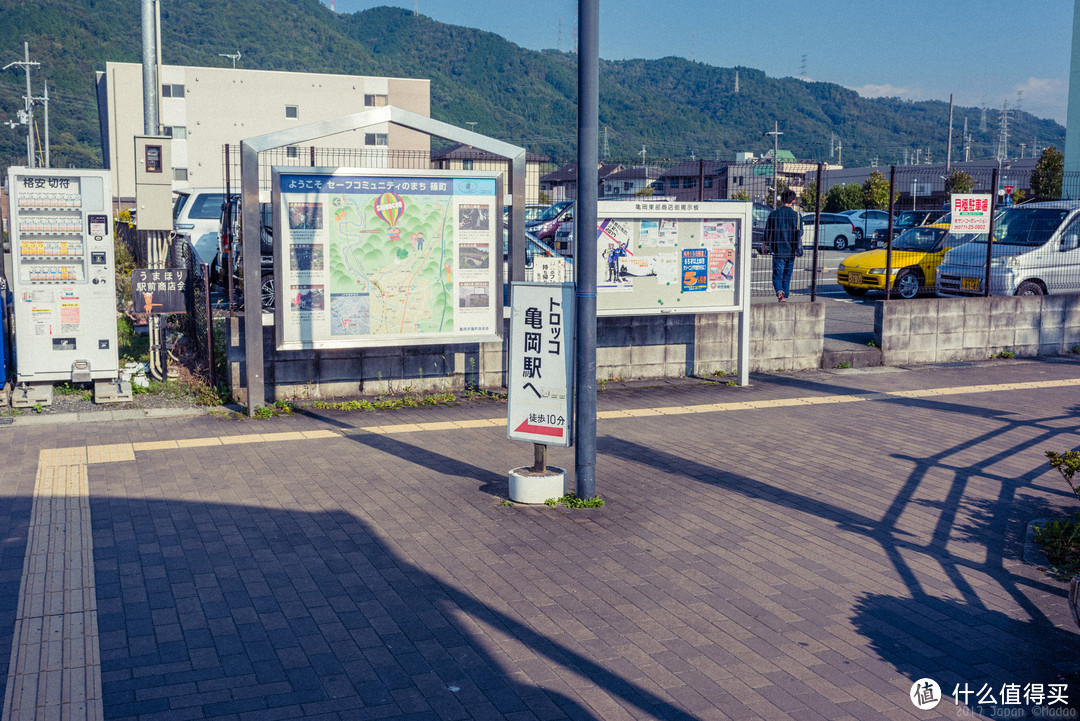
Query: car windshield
{"x": 908, "y": 218}
{"x": 207, "y": 205}
{"x": 553, "y": 211}
{"x": 925, "y": 239}
{"x": 1026, "y": 226}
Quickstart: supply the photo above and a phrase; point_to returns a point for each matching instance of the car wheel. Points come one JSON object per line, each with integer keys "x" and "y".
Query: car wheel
{"x": 907, "y": 284}
{"x": 1029, "y": 287}
{"x": 266, "y": 291}
{"x": 840, "y": 243}
{"x": 858, "y": 234}
{"x": 856, "y": 292}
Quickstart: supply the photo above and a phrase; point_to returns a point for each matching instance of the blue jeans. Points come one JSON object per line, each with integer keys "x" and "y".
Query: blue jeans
{"x": 781, "y": 274}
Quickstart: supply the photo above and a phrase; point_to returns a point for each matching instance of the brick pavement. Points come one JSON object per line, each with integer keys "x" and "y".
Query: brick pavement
{"x": 802, "y": 548}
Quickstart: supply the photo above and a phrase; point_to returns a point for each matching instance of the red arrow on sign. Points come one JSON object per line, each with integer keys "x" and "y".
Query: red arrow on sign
{"x": 527, "y": 427}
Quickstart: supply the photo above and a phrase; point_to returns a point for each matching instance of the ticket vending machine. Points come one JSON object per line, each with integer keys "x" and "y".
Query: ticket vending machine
{"x": 63, "y": 282}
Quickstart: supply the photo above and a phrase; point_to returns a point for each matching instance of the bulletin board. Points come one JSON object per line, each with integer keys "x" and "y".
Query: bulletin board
{"x": 658, "y": 257}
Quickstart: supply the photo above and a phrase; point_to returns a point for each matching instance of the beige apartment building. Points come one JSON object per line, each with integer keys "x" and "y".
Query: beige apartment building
{"x": 203, "y": 109}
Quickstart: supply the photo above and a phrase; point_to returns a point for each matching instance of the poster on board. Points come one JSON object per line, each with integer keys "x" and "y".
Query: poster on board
{"x": 372, "y": 257}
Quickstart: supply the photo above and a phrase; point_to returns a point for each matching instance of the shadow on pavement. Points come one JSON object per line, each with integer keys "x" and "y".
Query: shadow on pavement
{"x": 227, "y": 611}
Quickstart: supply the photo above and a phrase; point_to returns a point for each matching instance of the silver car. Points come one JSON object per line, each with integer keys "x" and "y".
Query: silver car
{"x": 1035, "y": 251}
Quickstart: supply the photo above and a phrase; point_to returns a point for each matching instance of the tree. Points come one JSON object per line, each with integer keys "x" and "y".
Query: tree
{"x": 1047, "y": 177}
{"x": 740, "y": 195}
{"x": 848, "y": 196}
{"x": 875, "y": 191}
{"x": 959, "y": 182}
{"x": 782, "y": 186}
{"x": 809, "y": 198}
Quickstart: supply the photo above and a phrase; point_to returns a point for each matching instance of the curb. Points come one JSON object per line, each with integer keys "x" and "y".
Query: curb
{"x": 132, "y": 414}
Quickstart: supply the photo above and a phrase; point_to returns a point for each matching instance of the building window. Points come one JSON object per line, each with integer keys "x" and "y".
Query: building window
{"x": 708, "y": 182}
{"x": 375, "y": 139}
{"x": 375, "y": 101}
{"x": 292, "y": 111}
{"x": 174, "y": 90}
{"x": 466, "y": 165}
{"x": 176, "y": 132}
{"x": 292, "y": 152}
{"x": 659, "y": 186}
{"x": 179, "y": 174}
{"x": 689, "y": 182}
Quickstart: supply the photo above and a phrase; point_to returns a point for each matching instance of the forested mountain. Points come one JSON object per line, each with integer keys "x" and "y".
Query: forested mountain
{"x": 671, "y": 106}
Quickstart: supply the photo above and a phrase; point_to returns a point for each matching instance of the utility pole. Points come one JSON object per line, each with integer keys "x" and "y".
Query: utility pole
{"x": 26, "y": 116}
{"x": 948, "y": 153}
{"x": 775, "y": 133}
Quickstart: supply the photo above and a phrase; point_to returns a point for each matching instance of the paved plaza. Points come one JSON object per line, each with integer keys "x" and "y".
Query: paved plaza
{"x": 803, "y": 548}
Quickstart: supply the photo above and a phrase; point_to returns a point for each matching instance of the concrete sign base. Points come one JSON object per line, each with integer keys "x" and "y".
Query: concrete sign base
{"x": 528, "y": 486}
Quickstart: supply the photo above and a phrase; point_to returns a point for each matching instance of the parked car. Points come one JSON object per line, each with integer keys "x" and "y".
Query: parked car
{"x": 1035, "y": 251}
{"x": 836, "y": 231}
{"x": 905, "y": 219}
{"x": 916, "y": 254}
{"x": 547, "y": 223}
{"x": 866, "y": 221}
{"x": 197, "y": 220}
{"x": 757, "y": 226}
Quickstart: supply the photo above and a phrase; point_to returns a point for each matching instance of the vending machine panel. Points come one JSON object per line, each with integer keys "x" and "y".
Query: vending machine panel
{"x": 64, "y": 282}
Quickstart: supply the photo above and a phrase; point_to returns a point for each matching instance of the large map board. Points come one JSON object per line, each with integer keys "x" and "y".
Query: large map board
{"x": 367, "y": 257}
{"x": 665, "y": 256}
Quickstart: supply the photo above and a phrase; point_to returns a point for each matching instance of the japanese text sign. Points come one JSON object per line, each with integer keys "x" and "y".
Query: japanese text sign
{"x": 540, "y": 371}
{"x": 970, "y": 214}
{"x": 158, "y": 291}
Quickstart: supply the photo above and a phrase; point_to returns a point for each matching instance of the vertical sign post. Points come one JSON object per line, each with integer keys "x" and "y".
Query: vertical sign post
{"x": 540, "y": 383}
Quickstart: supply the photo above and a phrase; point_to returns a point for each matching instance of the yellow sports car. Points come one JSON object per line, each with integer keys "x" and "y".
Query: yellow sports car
{"x": 916, "y": 254}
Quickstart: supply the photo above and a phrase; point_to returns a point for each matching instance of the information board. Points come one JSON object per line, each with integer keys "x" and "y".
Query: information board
{"x": 366, "y": 257}
{"x": 63, "y": 274}
{"x": 671, "y": 257}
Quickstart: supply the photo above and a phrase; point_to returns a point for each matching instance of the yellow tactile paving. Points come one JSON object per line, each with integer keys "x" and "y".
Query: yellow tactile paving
{"x": 62, "y": 456}
{"x": 197, "y": 442}
{"x": 111, "y": 453}
{"x": 154, "y": 445}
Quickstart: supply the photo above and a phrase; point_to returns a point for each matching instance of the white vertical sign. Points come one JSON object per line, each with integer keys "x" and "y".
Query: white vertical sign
{"x": 540, "y": 375}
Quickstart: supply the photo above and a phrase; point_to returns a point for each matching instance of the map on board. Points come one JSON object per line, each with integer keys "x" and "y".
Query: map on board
{"x": 390, "y": 270}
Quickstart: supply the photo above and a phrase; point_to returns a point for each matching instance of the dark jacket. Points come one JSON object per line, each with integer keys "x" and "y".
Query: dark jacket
{"x": 783, "y": 232}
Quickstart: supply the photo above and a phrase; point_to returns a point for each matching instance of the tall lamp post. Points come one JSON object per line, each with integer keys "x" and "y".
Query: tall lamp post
{"x": 775, "y": 133}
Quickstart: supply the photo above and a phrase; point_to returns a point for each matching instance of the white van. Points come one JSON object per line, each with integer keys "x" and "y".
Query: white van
{"x": 197, "y": 219}
{"x": 1036, "y": 251}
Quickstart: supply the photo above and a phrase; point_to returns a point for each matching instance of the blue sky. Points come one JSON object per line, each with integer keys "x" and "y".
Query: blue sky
{"x": 984, "y": 53}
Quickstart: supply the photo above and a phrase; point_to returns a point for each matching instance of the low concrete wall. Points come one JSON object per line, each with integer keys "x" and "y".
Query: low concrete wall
{"x": 783, "y": 336}
{"x": 936, "y": 330}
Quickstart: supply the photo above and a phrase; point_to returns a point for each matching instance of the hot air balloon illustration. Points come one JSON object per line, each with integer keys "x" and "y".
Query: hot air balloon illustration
{"x": 389, "y": 207}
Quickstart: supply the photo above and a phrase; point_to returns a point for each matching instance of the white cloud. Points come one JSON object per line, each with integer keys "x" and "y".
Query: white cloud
{"x": 890, "y": 91}
{"x": 1043, "y": 97}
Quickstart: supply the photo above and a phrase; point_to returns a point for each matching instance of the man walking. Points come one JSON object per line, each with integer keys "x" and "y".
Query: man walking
{"x": 783, "y": 238}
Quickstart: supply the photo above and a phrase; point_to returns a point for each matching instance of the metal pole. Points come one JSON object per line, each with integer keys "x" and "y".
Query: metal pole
{"x": 46, "y": 99}
{"x": 31, "y": 156}
{"x": 227, "y": 234}
{"x": 817, "y": 234}
{"x": 588, "y": 177}
{"x": 208, "y": 309}
{"x": 889, "y": 232}
{"x": 149, "y": 70}
{"x": 700, "y": 182}
{"x": 948, "y": 153}
{"x": 990, "y": 235}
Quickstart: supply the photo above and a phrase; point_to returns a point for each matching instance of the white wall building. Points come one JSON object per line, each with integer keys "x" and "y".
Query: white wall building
{"x": 202, "y": 109}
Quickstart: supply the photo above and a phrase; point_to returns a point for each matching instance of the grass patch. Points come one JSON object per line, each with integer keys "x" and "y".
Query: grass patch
{"x": 1060, "y": 540}
{"x": 571, "y": 500}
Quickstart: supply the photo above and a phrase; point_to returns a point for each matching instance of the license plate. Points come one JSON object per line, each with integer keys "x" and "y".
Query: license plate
{"x": 854, "y": 278}
{"x": 969, "y": 284}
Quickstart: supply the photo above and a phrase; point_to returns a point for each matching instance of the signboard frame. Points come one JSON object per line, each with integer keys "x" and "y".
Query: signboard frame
{"x": 641, "y": 298}
{"x": 540, "y": 407}
{"x": 298, "y": 328}
{"x": 973, "y": 212}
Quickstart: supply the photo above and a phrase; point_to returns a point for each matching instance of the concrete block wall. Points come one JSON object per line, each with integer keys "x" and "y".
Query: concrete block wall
{"x": 937, "y": 330}
{"x": 783, "y": 336}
